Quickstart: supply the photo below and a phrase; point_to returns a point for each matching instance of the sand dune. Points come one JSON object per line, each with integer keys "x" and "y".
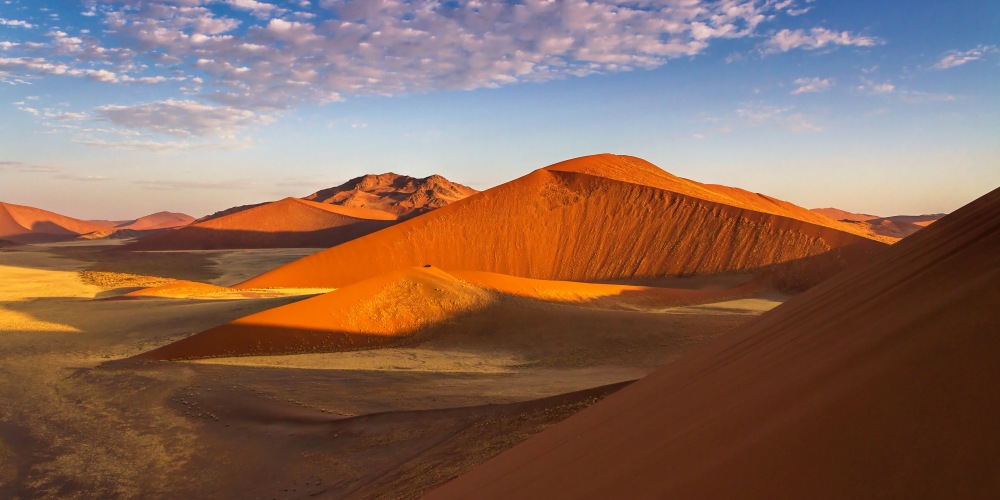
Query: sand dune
{"x": 23, "y": 224}
{"x": 401, "y": 195}
{"x": 879, "y": 382}
{"x": 599, "y": 295}
{"x": 554, "y": 224}
{"x": 895, "y": 227}
{"x": 400, "y": 306}
{"x": 367, "y": 314}
{"x": 159, "y": 220}
{"x": 286, "y": 223}
{"x": 838, "y": 214}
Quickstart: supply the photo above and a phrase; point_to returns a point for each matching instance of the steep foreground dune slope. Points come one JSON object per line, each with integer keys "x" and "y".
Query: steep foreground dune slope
{"x": 285, "y": 223}
{"x": 34, "y": 225}
{"x": 880, "y": 382}
{"x": 596, "y": 218}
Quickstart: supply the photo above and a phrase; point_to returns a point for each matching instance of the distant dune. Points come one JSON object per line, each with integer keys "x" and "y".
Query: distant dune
{"x": 23, "y": 224}
{"x": 838, "y": 214}
{"x": 896, "y": 227}
{"x": 597, "y": 218}
{"x": 159, "y": 220}
{"x": 397, "y": 194}
{"x": 879, "y": 383}
{"x": 286, "y": 223}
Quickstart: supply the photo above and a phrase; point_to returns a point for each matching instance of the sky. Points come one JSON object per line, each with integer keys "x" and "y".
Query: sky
{"x": 118, "y": 108}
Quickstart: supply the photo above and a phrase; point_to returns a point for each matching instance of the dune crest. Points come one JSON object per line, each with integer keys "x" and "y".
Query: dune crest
{"x": 877, "y": 383}
{"x": 554, "y": 224}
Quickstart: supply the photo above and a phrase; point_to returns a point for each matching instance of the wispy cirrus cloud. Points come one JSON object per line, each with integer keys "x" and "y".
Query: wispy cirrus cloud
{"x": 815, "y": 38}
{"x": 754, "y": 114}
{"x": 815, "y": 84}
{"x": 17, "y": 166}
{"x": 183, "y": 118}
{"x": 956, "y": 58}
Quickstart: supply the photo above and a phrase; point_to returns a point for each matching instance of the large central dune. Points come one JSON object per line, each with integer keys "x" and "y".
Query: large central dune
{"x": 879, "y": 383}
{"x": 596, "y": 218}
{"x": 286, "y": 223}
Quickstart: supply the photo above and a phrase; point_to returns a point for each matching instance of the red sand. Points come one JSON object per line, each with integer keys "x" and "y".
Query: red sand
{"x": 595, "y": 218}
{"x": 33, "y": 225}
{"x": 401, "y": 195}
{"x": 599, "y": 295}
{"x": 880, "y": 382}
{"x": 287, "y": 223}
{"x": 398, "y": 306}
{"x": 838, "y": 214}
{"x": 374, "y": 312}
{"x": 159, "y": 220}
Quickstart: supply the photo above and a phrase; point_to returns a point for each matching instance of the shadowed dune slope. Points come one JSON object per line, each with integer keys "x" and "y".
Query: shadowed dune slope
{"x": 401, "y": 195}
{"x": 879, "y": 382}
{"x": 595, "y": 218}
{"x": 33, "y": 225}
{"x": 405, "y": 304}
{"x": 600, "y": 295}
{"x": 282, "y": 224}
{"x": 371, "y": 313}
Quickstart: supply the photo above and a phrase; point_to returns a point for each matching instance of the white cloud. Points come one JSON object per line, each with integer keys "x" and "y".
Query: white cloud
{"x": 182, "y": 118}
{"x": 816, "y": 38}
{"x": 960, "y": 57}
{"x": 804, "y": 85}
{"x": 15, "y": 22}
{"x": 343, "y": 47}
{"x": 259, "y": 9}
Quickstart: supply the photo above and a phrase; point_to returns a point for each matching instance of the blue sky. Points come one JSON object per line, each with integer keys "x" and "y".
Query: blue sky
{"x": 117, "y": 108}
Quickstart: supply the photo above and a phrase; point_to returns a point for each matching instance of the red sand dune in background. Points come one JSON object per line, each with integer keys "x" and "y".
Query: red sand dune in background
{"x": 159, "y": 220}
{"x": 286, "y": 223}
{"x": 896, "y": 226}
{"x": 596, "y": 218}
{"x": 880, "y": 382}
{"x": 394, "y": 307}
{"x": 838, "y": 214}
{"x": 33, "y": 225}
{"x": 401, "y": 195}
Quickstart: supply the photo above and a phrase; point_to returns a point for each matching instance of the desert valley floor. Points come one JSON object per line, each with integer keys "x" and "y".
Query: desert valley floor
{"x": 392, "y": 421}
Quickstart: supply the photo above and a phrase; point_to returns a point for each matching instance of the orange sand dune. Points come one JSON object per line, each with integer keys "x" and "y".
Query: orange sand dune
{"x": 159, "y": 220}
{"x": 33, "y": 225}
{"x": 401, "y": 195}
{"x": 595, "y": 218}
{"x": 375, "y": 312}
{"x": 287, "y": 223}
{"x": 604, "y": 296}
{"x": 399, "y": 305}
{"x": 838, "y": 214}
{"x": 179, "y": 288}
{"x": 878, "y": 383}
